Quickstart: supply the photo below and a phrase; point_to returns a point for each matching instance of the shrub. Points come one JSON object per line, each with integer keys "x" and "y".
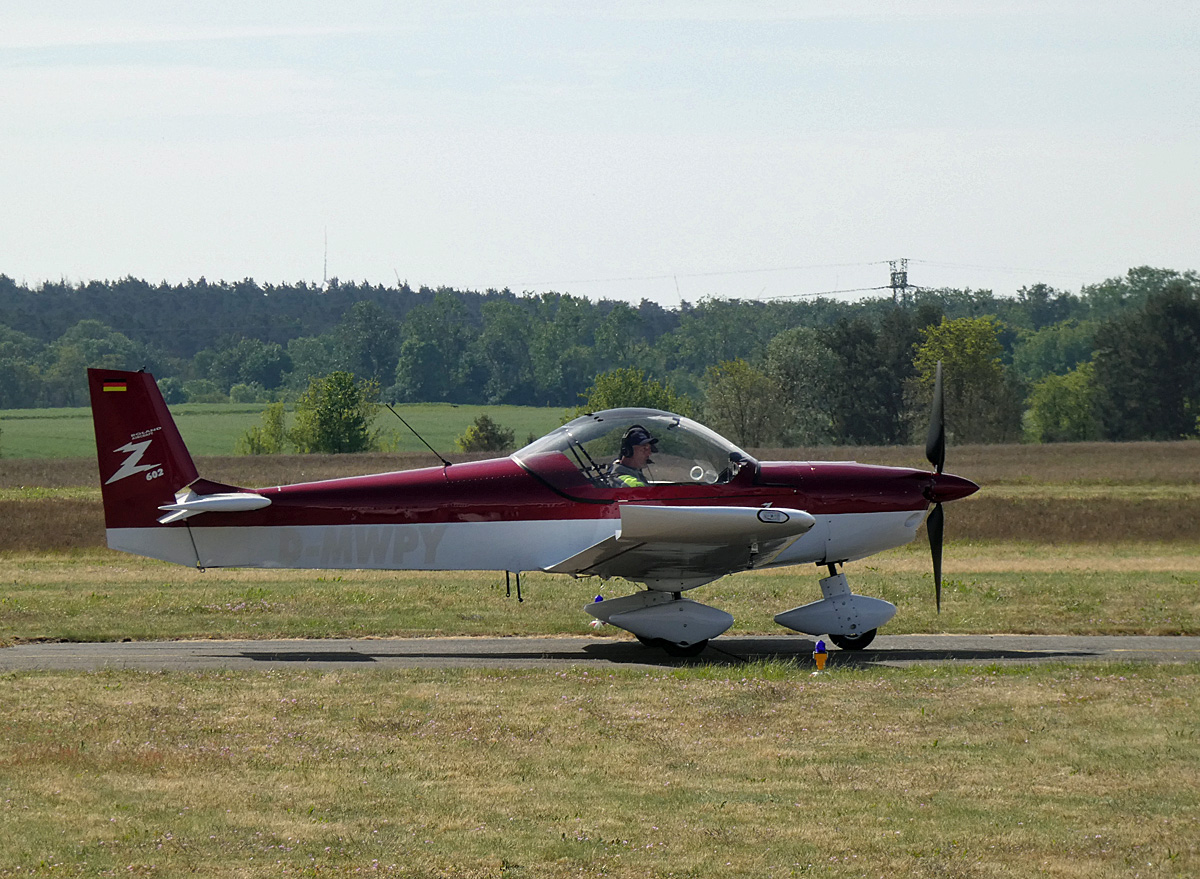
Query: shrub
{"x": 485, "y": 435}
{"x": 202, "y": 390}
{"x": 248, "y": 393}
{"x": 270, "y": 438}
{"x": 630, "y": 387}
{"x": 172, "y": 390}
{"x": 335, "y": 415}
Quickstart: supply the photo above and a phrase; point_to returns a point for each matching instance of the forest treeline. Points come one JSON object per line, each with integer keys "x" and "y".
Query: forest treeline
{"x": 1116, "y": 360}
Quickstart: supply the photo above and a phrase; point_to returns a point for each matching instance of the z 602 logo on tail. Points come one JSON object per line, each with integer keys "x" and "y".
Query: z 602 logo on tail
{"x": 130, "y": 465}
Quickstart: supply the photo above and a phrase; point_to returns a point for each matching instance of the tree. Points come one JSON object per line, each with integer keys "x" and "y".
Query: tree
{"x": 1042, "y": 305}
{"x": 203, "y": 390}
{"x": 1112, "y": 298}
{"x": 502, "y": 351}
{"x": 89, "y": 343}
{"x": 243, "y": 361}
{"x": 268, "y": 439}
{"x": 561, "y": 349}
{"x": 982, "y": 405}
{"x": 485, "y": 435}
{"x": 1147, "y": 367}
{"x": 802, "y": 367}
{"x": 741, "y": 402}
{"x": 432, "y": 361}
{"x": 1053, "y": 350}
{"x": 718, "y": 331}
{"x": 619, "y": 337}
{"x": 172, "y": 390}
{"x": 1062, "y": 408}
{"x": 22, "y": 381}
{"x": 248, "y": 393}
{"x": 312, "y": 357}
{"x": 630, "y": 387}
{"x": 366, "y": 340}
{"x": 335, "y": 415}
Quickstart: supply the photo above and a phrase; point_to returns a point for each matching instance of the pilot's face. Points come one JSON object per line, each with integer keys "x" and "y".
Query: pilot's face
{"x": 641, "y": 455}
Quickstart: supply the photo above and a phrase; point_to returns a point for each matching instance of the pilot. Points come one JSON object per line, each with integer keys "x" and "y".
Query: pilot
{"x": 636, "y": 447}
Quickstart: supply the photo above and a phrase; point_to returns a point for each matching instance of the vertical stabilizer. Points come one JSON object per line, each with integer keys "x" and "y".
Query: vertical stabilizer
{"x": 141, "y": 455}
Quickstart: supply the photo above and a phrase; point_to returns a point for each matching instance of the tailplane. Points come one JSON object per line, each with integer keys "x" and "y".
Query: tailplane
{"x": 143, "y": 460}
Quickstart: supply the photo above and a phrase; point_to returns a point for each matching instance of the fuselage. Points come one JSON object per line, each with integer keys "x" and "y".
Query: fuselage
{"x": 498, "y": 515}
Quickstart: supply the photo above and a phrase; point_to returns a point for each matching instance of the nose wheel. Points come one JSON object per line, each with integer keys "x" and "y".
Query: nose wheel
{"x": 854, "y": 642}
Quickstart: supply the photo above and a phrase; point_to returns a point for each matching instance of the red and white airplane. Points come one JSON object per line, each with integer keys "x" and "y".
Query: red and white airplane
{"x": 707, "y": 510}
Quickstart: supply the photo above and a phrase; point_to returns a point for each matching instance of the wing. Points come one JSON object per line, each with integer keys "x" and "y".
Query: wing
{"x": 688, "y": 546}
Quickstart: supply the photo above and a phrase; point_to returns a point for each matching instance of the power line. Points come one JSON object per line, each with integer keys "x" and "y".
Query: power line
{"x": 710, "y": 274}
{"x": 829, "y": 292}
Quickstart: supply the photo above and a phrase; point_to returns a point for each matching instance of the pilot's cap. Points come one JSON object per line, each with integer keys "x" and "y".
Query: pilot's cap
{"x": 637, "y": 436}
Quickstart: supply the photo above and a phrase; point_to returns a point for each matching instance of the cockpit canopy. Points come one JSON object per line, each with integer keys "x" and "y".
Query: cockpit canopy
{"x": 686, "y": 452}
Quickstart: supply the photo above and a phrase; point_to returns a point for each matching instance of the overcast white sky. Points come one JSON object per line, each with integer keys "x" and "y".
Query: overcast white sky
{"x": 611, "y": 149}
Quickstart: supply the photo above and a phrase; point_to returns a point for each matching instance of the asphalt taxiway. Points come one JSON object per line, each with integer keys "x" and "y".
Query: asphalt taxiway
{"x": 395, "y": 653}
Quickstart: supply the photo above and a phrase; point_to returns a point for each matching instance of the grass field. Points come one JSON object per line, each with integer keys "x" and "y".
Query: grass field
{"x": 98, "y": 595}
{"x": 214, "y": 428}
{"x": 759, "y": 771}
{"x": 764, "y": 771}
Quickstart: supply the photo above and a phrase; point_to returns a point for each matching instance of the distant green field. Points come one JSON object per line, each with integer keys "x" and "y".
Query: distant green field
{"x": 214, "y": 428}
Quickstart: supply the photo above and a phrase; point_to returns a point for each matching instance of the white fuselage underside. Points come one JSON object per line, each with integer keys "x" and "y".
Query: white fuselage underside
{"x": 468, "y": 546}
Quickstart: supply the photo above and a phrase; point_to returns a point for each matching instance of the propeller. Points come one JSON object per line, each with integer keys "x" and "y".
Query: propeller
{"x": 935, "y": 452}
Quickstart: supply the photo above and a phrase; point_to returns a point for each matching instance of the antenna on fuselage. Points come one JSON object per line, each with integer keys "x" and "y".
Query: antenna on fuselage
{"x": 436, "y": 454}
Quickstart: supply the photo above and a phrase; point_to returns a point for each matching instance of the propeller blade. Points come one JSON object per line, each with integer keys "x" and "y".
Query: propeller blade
{"x": 935, "y": 525}
{"x": 935, "y": 441}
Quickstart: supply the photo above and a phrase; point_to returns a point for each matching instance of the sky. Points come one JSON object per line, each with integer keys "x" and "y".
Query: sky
{"x": 665, "y": 150}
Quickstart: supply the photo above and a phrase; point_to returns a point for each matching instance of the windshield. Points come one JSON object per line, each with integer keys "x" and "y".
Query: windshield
{"x": 584, "y": 450}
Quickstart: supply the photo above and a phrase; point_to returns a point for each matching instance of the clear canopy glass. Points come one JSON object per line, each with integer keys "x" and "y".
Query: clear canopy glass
{"x": 585, "y": 449}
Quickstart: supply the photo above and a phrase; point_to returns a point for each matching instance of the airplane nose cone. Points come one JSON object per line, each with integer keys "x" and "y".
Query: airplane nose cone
{"x": 947, "y": 487}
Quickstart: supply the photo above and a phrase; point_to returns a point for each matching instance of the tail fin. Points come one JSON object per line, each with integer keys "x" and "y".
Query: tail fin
{"x": 143, "y": 460}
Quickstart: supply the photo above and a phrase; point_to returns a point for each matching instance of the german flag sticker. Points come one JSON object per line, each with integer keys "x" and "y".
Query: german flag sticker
{"x": 114, "y": 386}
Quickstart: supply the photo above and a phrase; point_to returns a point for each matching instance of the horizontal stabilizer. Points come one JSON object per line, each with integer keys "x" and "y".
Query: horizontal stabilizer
{"x": 188, "y": 503}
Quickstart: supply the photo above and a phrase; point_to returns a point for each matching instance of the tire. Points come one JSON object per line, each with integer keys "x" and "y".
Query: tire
{"x": 684, "y": 652}
{"x": 672, "y": 649}
{"x": 853, "y": 642}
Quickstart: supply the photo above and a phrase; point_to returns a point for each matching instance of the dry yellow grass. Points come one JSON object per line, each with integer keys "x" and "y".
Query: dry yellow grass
{"x": 756, "y": 772}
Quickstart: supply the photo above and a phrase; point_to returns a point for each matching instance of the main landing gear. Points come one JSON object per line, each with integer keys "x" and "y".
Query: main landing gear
{"x": 666, "y": 620}
{"x": 682, "y": 627}
{"x": 849, "y": 620}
